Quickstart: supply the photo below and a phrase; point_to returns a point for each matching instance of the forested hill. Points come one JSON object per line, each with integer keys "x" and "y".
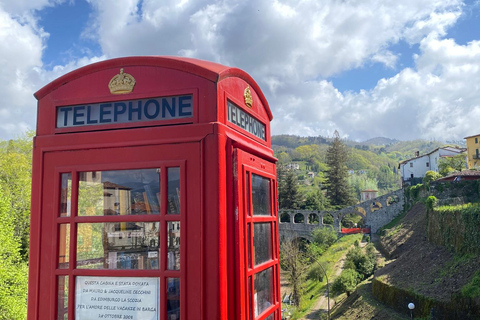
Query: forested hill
{"x": 401, "y": 150}
{"x": 374, "y": 162}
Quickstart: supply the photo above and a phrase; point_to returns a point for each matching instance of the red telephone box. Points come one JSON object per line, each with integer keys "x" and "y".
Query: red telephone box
{"x": 153, "y": 195}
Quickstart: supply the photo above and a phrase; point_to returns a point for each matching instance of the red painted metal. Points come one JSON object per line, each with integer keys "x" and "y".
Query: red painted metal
{"x": 214, "y": 156}
{"x": 355, "y": 230}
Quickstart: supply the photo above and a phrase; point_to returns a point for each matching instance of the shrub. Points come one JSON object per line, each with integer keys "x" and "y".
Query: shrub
{"x": 472, "y": 289}
{"x": 365, "y": 264}
{"x": 315, "y": 273}
{"x": 324, "y": 237}
{"x": 346, "y": 282}
{"x": 431, "y": 176}
{"x": 431, "y": 202}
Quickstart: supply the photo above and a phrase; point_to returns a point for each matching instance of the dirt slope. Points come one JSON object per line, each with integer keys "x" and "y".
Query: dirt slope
{"x": 420, "y": 266}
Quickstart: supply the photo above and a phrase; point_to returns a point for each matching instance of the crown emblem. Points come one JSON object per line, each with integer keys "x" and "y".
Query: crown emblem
{"x": 247, "y": 95}
{"x": 121, "y": 83}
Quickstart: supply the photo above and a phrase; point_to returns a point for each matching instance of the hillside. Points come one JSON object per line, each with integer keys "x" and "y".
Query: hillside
{"x": 421, "y": 266}
{"x": 372, "y": 164}
{"x": 415, "y": 267}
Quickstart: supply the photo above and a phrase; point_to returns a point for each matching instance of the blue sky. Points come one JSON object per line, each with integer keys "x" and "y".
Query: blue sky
{"x": 399, "y": 69}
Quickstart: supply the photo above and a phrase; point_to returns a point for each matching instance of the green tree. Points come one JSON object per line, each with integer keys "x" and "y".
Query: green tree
{"x": 431, "y": 176}
{"x": 295, "y": 264}
{"x": 361, "y": 182}
{"x": 387, "y": 179}
{"x": 13, "y": 269}
{"x": 315, "y": 200}
{"x": 288, "y": 195}
{"x": 324, "y": 237}
{"x": 447, "y": 165}
{"x": 15, "y": 183}
{"x": 338, "y": 190}
{"x": 346, "y": 282}
{"x": 364, "y": 263}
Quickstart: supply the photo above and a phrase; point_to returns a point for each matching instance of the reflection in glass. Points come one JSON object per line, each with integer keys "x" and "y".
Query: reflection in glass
{"x": 64, "y": 246}
{"x": 173, "y": 196}
{"x": 173, "y": 245}
{"x": 262, "y": 242}
{"x": 65, "y": 194}
{"x": 248, "y": 195}
{"x": 62, "y": 303}
{"x": 173, "y": 299}
{"x": 270, "y": 317}
{"x": 122, "y": 245}
{"x": 260, "y": 195}
{"x": 263, "y": 296}
{"x": 122, "y": 192}
{"x": 249, "y": 245}
{"x": 250, "y": 306}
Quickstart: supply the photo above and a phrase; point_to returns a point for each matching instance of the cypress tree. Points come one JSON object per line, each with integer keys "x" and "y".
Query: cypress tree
{"x": 288, "y": 195}
{"x": 339, "y": 191}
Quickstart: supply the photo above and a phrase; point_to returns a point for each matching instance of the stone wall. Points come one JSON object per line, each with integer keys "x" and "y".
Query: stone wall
{"x": 375, "y": 213}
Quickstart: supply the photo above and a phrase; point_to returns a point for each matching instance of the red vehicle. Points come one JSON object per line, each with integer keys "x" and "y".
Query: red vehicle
{"x": 153, "y": 195}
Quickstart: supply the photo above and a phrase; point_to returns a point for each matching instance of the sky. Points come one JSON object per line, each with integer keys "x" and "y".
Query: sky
{"x": 404, "y": 70}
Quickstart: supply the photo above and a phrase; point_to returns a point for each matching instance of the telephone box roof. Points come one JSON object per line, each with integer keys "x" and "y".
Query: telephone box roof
{"x": 209, "y": 70}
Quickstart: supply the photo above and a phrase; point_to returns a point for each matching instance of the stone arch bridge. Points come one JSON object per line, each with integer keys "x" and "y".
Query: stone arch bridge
{"x": 375, "y": 214}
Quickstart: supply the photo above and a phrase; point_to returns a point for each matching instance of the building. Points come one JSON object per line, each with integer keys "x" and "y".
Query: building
{"x": 368, "y": 195}
{"x": 417, "y": 167}
{"x": 473, "y": 155}
{"x": 293, "y": 166}
{"x": 462, "y": 176}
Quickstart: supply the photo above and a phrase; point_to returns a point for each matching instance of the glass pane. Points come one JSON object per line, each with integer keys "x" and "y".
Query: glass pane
{"x": 173, "y": 191}
{"x": 122, "y": 192}
{"x": 173, "y": 299}
{"x": 118, "y": 245}
{"x": 62, "y": 303}
{"x": 270, "y": 317}
{"x": 263, "y": 296}
{"x": 173, "y": 244}
{"x": 66, "y": 194}
{"x": 248, "y": 195}
{"x": 260, "y": 195}
{"x": 250, "y": 307}
{"x": 64, "y": 246}
{"x": 249, "y": 245}
{"x": 262, "y": 242}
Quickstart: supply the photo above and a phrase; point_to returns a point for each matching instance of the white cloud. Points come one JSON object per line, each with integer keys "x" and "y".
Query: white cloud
{"x": 438, "y": 99}
{"x": 22, "y": 44}
{"x": 290, "y": 47}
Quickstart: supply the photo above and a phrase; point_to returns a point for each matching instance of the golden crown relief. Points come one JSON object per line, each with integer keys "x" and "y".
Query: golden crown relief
{"x": 121, "y": 83}
{"x": 247, "y": 95}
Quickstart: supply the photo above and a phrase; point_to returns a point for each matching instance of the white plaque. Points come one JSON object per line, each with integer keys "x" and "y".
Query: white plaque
{"x": 117, "y": 298}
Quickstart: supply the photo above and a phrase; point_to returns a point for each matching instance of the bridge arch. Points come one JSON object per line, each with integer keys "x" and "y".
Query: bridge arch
{"x": 387, "y": 207}
{"x": 285, "y": 217}
{"x": 299, "y": 218}
{"x": 313, "y": 218}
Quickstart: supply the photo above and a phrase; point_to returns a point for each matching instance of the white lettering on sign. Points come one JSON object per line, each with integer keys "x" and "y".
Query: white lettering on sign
{"x": 152, "y": 109}
{"x": 117, "y": 298}
{"x": 245, "y": 121}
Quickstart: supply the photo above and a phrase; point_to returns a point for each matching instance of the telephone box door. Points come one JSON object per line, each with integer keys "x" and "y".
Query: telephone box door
{"x": 124, "y": 233}
{"x": 257, "y": 225}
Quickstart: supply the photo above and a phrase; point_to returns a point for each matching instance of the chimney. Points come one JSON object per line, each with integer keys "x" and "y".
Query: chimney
{"x": 417, "y": 153}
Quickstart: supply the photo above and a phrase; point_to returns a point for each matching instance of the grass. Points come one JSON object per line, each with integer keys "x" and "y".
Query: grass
{"x": 362, "y": 305}
{"x": 472, "y": 289}
{"x": 392, "y": 223}
{"x": 329, "y": 258}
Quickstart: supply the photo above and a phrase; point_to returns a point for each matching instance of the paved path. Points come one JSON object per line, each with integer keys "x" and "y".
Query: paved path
{"x": 321, "y": 306}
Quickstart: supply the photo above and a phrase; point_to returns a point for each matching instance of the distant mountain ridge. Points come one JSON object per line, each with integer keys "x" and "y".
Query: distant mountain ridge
{"x": 380, "y": 141}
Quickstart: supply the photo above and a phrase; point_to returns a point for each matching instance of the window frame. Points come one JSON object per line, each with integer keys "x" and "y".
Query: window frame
{"x": 162, "y": 273}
